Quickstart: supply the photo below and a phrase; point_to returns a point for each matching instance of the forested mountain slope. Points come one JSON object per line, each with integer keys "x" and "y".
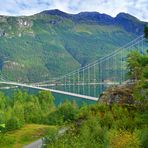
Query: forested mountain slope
{"x": 52, "y": 43}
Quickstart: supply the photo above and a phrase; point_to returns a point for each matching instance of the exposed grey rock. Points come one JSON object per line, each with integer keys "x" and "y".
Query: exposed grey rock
{"x": 2, "y": 32}
{"x": 121, "y": 94}
{"x": 24, "y": 23}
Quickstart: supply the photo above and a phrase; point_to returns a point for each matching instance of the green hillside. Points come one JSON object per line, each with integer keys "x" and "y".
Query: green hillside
{"x": 45, "y": 46}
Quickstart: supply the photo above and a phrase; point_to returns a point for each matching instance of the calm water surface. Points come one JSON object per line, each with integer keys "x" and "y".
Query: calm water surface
{"x": 59, "y": 98}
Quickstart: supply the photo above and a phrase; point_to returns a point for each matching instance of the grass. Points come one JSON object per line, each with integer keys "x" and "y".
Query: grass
{"x": 25, "y": 135}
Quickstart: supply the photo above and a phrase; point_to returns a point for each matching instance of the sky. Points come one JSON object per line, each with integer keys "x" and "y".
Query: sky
{"x": 137, "y": 8}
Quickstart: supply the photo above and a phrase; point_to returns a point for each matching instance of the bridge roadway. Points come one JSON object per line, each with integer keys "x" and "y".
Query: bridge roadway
{"x": 52, "y": 90}
{"x": 76, "y": 84}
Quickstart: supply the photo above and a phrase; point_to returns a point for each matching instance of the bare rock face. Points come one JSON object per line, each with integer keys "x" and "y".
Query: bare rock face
{"x": 118, "y": 94}
{"x": 2, "y": 32}
{"x": 3, "y": 19}
{"x": 24, "y": 23}
{"x": 15, "y": 26}
{"x": 13, "y": 64}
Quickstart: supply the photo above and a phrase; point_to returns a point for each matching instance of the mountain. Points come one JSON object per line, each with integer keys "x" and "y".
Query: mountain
{"x": 53, "y": 43}
{"x": 127, "y": 21}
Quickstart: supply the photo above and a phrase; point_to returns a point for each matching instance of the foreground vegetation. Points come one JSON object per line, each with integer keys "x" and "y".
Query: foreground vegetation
{"x": 116, "y": 125}
{"x": 25, "y": 135}
{"x": 102, "y": 126}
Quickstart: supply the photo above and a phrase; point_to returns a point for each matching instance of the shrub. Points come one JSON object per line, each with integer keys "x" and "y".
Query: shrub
{"x": 123, "y": 139}
{"x": 107, "y": 119}
{"x": 6, "y": 141}
{"x": 143, "y": 135}
{"x": 68, "y": 111}
{"x": 13, "y": 124}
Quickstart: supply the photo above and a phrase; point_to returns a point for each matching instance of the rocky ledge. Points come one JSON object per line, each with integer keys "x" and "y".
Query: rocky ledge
{"x": 122, "y": 94}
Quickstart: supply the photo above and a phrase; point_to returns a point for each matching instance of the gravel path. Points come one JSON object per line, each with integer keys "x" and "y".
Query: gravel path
{"x": 36, "y": 144}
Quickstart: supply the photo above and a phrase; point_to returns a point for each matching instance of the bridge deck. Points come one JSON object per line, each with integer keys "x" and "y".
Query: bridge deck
{"x": 52, "y": 90}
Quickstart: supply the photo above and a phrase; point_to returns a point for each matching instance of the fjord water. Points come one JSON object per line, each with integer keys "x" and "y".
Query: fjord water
{"x": 59, "y": 98}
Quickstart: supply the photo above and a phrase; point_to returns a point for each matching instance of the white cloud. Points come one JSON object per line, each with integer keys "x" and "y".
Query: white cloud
{"x": 138, "y": 8}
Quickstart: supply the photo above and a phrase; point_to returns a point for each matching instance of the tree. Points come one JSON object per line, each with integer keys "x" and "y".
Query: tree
{"x": 19, "y": 96}
{"x": 134, "y": 65}
{"x": 146, "y": 32}
{"x": 46, "y": 101}
{"x": 32, "y": 110}
{"x": 68, "y": 111}
{"x": 138, "y": 70}
{"x": 18, "y": 111}
{"x": 2, "y": 101}
{"x": 2, "y": 108}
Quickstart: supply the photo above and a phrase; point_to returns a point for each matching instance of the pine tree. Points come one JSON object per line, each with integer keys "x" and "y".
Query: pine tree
{"x": 146, "y": 32}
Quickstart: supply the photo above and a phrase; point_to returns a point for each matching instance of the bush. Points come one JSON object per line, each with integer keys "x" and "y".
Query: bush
{"x": 92, "y": 134}
{"x": 55, "y": 119}
{"x": 68, "y": 111}
{"x": 107, "y": 120}
{"x": 123, "y": 139}
{"x": 6, "y": 141}
{"x": 144, "y": 137}
{"x": 13, "y": 124}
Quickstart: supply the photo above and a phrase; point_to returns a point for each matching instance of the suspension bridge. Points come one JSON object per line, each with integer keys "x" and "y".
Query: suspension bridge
{"x": 91, "y": 80}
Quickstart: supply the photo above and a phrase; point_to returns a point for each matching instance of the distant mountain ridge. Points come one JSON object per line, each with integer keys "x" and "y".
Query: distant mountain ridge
{"x": 129, "y": 22}
{"x": 53, "y": 43}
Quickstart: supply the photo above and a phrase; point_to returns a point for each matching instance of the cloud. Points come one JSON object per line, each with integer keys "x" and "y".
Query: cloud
{"x": 138, "y": 8}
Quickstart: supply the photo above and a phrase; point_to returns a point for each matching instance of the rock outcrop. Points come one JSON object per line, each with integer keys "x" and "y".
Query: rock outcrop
{"x": 121, "y": 94}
